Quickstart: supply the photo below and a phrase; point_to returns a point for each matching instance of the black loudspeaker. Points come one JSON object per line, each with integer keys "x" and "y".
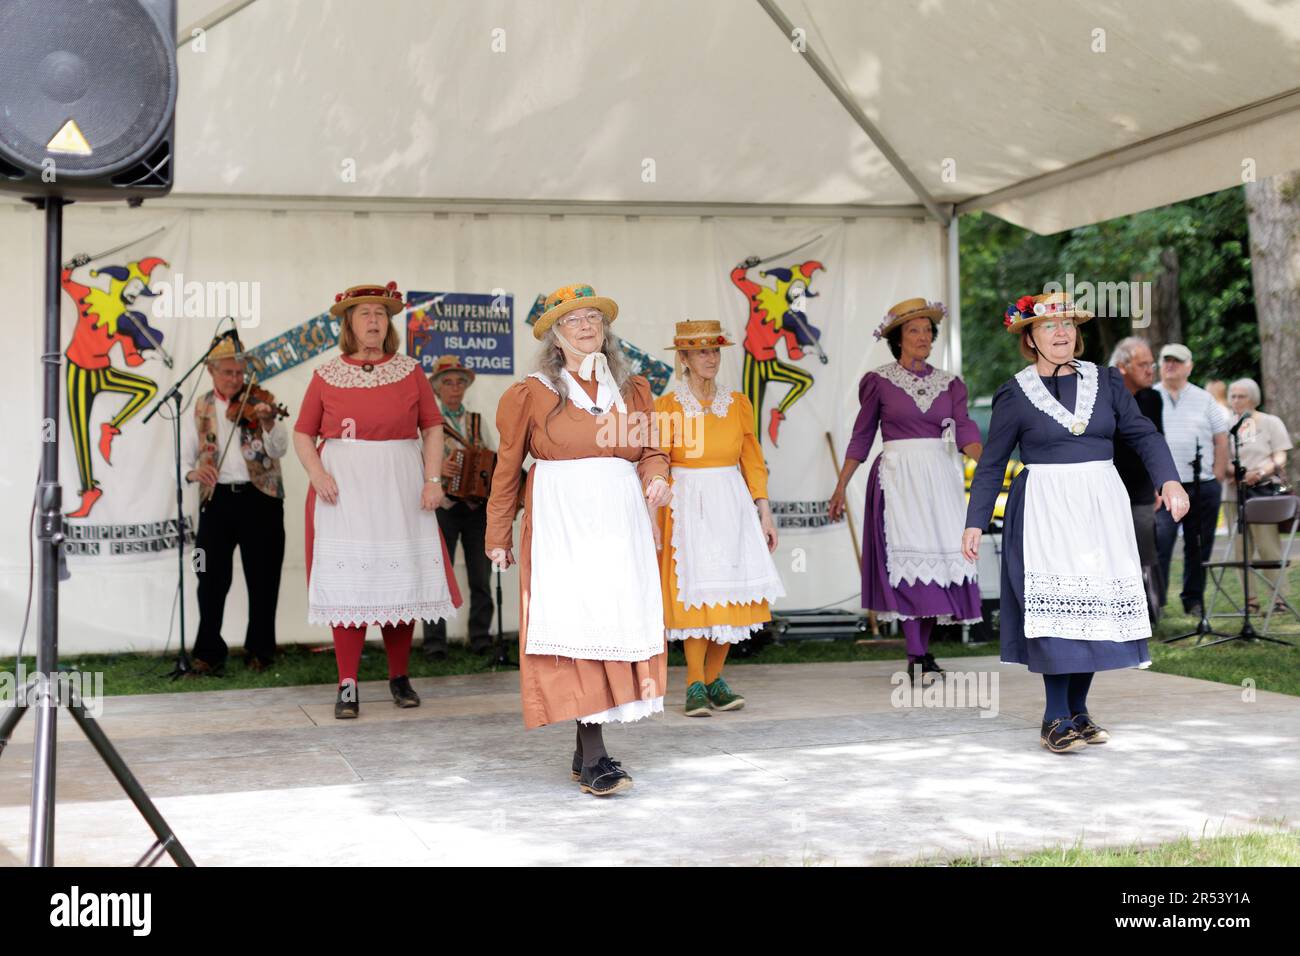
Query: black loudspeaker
{"x": 87, "y": 98}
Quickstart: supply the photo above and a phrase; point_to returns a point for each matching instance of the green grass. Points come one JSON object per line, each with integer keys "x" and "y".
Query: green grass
{"x": 1276, "y": 846}
{"x": 1271, "y": 667}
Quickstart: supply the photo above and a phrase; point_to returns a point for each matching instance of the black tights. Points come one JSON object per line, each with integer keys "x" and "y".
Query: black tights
{"x": 591, "y": 743}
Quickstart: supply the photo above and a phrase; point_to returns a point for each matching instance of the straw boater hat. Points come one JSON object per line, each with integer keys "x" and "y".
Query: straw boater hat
{"x": 706, "y": 334}
{"x": 1035, "y": 308}
{"x": 226, "y": 346}
{"x": 907, "y": 310}
{"x": 450, "y": 363}
{"x": 386, "y": 295}
{"x": 568, "y": 298}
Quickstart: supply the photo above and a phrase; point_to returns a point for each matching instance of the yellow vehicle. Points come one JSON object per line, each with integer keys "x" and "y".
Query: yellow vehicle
{"x": 981, "y": 411}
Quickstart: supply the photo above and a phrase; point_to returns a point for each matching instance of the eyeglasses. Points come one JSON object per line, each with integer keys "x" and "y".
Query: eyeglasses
{"x": 575, "y": 319}
{"x": 1051, "y": 325}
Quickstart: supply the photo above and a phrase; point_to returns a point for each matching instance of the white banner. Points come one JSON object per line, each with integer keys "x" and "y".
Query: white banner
{"x": 125, "y": 339}
{"x": 276, "y": 273}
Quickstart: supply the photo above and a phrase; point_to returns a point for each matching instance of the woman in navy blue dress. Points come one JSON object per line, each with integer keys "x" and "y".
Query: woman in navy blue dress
{"x": 1072, "y": 595}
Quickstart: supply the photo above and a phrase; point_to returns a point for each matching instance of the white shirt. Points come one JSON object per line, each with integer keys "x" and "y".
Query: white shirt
{"x": 233, "y": 469}
{"x": 1193, "y": 416}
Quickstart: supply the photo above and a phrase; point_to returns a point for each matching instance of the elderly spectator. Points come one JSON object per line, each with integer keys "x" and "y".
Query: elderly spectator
{"x": 1262, "y": 444}
{"x": 1133, "y": 358}
{"x": 1192, "y": 419}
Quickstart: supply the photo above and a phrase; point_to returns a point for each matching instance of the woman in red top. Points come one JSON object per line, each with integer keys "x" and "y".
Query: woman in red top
{"x": 374, "y": 553}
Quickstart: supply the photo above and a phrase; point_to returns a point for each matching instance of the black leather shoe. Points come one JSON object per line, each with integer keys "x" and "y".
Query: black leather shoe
{"x": 1089, "y": 731}
{"x": 576, "y": 771}
{"x": 404, "y": 694}
{"x": 604, "y": 778}
{"x": 1060, "y": 736}
{"x": 930, "y": 666}
{"x": 348, "y": 703}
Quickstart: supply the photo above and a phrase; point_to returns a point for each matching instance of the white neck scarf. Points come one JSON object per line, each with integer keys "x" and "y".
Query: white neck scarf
{"x": 595, "y": 363}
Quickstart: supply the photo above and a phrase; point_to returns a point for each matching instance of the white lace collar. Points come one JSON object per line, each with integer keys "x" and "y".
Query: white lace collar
{"x": 1076, "y": 422}
{"x": 578, "y": 395}
{"x": 343, "y": 374}
{"x": 923, "y": 390}
{"x": 691, "y": 406}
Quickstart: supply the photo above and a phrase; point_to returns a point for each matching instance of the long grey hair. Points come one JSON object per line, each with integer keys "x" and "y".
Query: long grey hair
{"x": 550, "y": 362}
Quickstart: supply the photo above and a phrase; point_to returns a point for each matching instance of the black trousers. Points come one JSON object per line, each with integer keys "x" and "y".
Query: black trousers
{"x": 468, "y": 526}
{"x": 239, "y": 516}
{"x": 1193, "y": 592}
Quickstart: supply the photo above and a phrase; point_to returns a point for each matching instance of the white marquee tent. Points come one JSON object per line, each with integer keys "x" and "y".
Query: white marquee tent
{"x": 461, "y": 145}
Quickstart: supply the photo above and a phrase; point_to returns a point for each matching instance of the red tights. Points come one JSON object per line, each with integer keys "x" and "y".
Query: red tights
{"x": 348, "y": 642}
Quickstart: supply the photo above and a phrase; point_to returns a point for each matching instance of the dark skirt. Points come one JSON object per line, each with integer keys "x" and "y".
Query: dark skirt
{"x": 1047, "y": 655}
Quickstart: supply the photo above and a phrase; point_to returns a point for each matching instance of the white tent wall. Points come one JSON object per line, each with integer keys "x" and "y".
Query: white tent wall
{"x": 659, "y": 269}
{"x": 567, "y": 100}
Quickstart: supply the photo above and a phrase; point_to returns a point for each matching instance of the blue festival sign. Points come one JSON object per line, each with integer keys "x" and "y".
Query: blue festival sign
{"x": 478, "y": 327}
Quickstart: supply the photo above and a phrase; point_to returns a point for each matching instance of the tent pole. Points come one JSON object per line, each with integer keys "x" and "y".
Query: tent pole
{"x": 939, "y": 212}
{"x": 224, "y": 12}
{"x": 952, "y": 293}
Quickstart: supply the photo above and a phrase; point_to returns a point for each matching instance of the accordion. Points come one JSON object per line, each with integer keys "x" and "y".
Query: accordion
{"x": 468, "y": 473}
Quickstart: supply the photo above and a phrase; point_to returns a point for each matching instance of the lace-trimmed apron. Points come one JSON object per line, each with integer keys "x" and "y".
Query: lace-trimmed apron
{"x": 925, "y": 512}
{"x": 1083, "y": 578}
{"x": 376, "y": 556}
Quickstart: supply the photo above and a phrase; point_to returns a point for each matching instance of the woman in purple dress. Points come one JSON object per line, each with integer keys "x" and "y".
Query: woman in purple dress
{"x": 1073, "y": 601}
{"x": 913, "y": 571}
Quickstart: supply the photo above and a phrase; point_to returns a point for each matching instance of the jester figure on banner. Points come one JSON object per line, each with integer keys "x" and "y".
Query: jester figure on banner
{"x": 777, "y": 314}
{"x": 106, "y": 318}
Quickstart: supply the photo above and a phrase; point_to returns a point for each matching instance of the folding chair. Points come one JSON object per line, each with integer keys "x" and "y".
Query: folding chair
{"x": 1280, "y": 510}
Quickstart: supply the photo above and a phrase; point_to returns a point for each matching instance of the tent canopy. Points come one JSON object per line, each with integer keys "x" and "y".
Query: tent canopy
{"x": 1050, "y": 118}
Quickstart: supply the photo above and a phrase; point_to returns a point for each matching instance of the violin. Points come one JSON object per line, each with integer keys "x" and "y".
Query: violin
{"x": 243, "y": 403}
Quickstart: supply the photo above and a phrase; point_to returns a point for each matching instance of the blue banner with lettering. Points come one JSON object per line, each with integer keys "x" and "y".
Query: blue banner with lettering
{"x": 294, "y": 347}
{"x": 478, "y": 327}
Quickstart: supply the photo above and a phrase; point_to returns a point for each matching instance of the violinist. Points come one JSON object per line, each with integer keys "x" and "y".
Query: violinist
{"x": 232, "y": 448}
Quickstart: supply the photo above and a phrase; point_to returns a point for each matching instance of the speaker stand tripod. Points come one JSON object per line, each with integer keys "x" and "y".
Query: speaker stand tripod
{"x": 47, "y": 686}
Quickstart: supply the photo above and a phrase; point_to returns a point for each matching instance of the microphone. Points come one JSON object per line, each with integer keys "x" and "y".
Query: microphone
{"x": 1241, "y": 421}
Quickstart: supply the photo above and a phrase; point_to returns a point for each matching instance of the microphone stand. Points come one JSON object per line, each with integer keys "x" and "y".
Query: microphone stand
{"x": 1247, "y": 632}
{"x": 502, "y": 656}
{"x": 173, "y": 395}
{"x": 1193, "y": 532}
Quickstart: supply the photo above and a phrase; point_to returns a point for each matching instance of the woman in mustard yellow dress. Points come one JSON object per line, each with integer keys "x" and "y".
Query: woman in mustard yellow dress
{"x": 717, "y": 534}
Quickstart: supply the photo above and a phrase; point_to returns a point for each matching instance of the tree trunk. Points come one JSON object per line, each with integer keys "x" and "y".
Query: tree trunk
{"x": 1166, "y": 305}
{"x": 1273, "y": 212}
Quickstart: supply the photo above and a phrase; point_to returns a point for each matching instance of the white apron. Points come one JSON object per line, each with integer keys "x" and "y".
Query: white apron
{"x": 376, "y": 556}
{"x": 1083, "y": 578}
{"x": 718, "y": 544}
{"x": 594, "y": 589}
{"x": 925, "y": 512}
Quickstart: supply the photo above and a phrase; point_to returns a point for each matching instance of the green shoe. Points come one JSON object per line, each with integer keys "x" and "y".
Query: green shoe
{"x": 721, "y": 697}
{"x": 697, "y": 700}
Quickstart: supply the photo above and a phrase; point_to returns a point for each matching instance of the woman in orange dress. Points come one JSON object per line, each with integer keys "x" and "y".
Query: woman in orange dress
{"x": 591, "y": 629}
{"x": 715, "y": 566}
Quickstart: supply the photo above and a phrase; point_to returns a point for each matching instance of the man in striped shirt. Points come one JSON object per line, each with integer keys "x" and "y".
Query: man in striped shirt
{"x": 1191, "y": 418}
